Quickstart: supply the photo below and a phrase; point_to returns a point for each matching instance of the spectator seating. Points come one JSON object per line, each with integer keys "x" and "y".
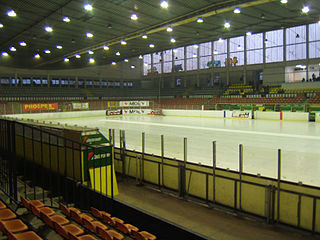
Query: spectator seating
{"x": 239, "y": 89}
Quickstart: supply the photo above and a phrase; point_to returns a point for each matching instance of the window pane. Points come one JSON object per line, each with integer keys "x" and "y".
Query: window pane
{"x": 146, "y": 63}
{"x": 220, "y": 46}
{"x": 237, "y": 59}
{"x": 255, "y": 56}
{"x": 192, "y": 63}
{"x": 178, "y": 53}
{"x": 237, "y": 44}
{"x": 314, "y": 32}
{"x": 296, "y": 35}
{"x": 296, "y": 51}
{"x": 157, "y": 58}
{"x": 167, "y": 67}
{"x": 314, "y": 50}
{"x": 167, "y": 55}
{"x": 205, "y": 49}
{"x": 255, "y": 41}
{"x": 274, "y": 38}
{"x": 274, "y": 54}
{"x": 205, "y": 62}
{"x": 192, "y": 50}
{"x": 219, "y": 60}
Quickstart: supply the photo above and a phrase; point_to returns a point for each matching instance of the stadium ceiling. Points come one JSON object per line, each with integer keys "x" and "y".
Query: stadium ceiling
{"x": 112, "y": 21}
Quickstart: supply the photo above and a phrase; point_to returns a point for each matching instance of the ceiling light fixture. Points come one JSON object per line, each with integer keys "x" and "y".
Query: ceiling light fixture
{"x": 134, "y": 17}
{"x": 123, "y": 42}
{"x": 172, "y": 40}
{"x": 220, "y": 40}
{"x": 144, "y": 36}
{"x": 284, "y": 1}
{"x": 132, "y": 66}
{"x": 237, "y": 10}
{"x": 194, "y": 55}
{"x": 126, "y": 60}
{"x": 140, "y": 57}
{"x": 305, "y": 9}
{"x": 196, "y": 46}
{"x": 151, "y": 45}
{"x": 37, "y": 55}
{"x": 48, "y": 28}
{"x": 66, "y": 60}
{"x": 239, "y": 47}
{"x": 22, "y": 44}
{"x": 90, "y": 52}
{"x": 118, "y": 53}
{"x": 200, "y": 20}
{"x": 164, "y": 4}
{"x": 215, "y": 52}
{"x": 169, "y": 29}
{"x": 66, "y": 19}
{"x": 1, "y": 25}
{"x": 89, "y": 35}
{"x": 4, "y": 54}
{"x": 12, "y": 49}
{"x": 11, "y": 13}
{"x": 113, "y": 63}
{"x": 47, "y": 51}
{"x": 91, "y": 60}
{"x": 77, "y": 56}
{"x": 59, "y": 46}
{"x": 249, "y": 33}
{"x": 88, "y": 7}
{"x": 227, "y": 25}
{"x": 105, "y": 47}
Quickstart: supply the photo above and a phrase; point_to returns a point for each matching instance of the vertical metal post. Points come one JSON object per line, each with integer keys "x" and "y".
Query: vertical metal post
{"x": 214, "y": 164}
{"x": 58, "y": 168}
{"x": 142, "y": 156}
{"x": 42, "y": 172}
{"x": 240, "y": 172}
{"x": 162, "y": 161}
{"x": 24, "y": 160}
{"x": 278, "y": 185}
{"x": 113, "y": 138}
{"x": 33, "y": 163}
{"x": 314, "y": 207}
{"x": 51, "y": 170}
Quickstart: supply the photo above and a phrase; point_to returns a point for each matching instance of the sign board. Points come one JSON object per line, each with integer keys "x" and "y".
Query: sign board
{"x": 136, "y": 111}
{"x": 242, "y": 114}
{"x": 134, "y": 103}
{"x": 39, "y": 107}
{"x": 113, "y": 112}
{"x": 317, "y": 117}
{"x": 80, "y": 106}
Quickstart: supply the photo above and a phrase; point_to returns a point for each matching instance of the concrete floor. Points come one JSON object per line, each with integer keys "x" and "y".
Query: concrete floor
{"x": 212, "y": 223}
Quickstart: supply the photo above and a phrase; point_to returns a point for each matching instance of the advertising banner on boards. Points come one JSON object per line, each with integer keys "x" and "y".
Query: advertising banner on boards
{"x": 134, "y": 103}
{"x": 39, "y": 107}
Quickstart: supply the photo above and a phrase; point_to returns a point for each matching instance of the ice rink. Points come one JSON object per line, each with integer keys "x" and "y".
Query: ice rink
{"x": 261, "y": 139}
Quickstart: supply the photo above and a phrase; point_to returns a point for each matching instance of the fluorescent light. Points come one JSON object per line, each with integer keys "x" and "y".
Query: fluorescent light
{"x": 47, "y": 51}
{"x": 196, "y": 46}
{"x": 175, "y": 50}
{"x": 284, "y": 1}
{"x": 172, "y": 40}
{"x": 23, "y": 44}
{"x": 123, "y": 42}
{"x": 132, "y": 66}
{"x": 220, "y": 40}
{"x": 239, "y": 47}
{"x": 48, "y": 28}
{"x": 4, "y": 54}
{"x": 126, "y": 60}
{"x": 249, "y": 33}
{"x": 66, "y": 19}
{"x": 164, "y": 4}
{"x": 77, "y": 56}
{"x": 227, "y": 25}
{"x": 66, "y": 60}
{"x": 91, "y": 60}
{"x": 12, "y": 49}
{"x": 140, "y": 57}
{"x": 88, "y": 7}
{"x": 118, "y": 53}
{"x": 151, "y": 45}
{"x": 169, "y": 29}
{"x": 89, "y": 35}
{"x": 194, "y": 55}
{"x": 113, "y": 63}
{"x": 144, "y": 36}
{"x": 11, "y": 13}
{"x": 305, "y": 9}
{"x": 200, "y": 20}
{"x": 37, "y": 55}
{"x": 215, "y": 52}
{"x": 59, "y": 46}
{"x": 237, "y": 10}
{"x": 134, "y": 17}
{"x": 105, "y": 47}
{"x": 90, "y": 52}
{"x": 1, "y": 25}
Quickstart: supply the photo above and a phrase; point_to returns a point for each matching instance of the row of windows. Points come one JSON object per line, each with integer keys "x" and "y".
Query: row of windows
{"x": 64, "y": 83}
{"x": 242, "y": 50}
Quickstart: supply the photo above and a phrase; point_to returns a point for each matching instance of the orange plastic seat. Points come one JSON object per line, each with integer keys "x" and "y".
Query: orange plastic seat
{"x": 46, "y": 210}
{"x": 109, "y": 234}
{"x": 126, "y": 228}
{"x": 83, "y": 237}
{"x": 2, "y": 205}
{"x": 92, "y": 226}
{"x": 111, "y": 220}
{"x": 144, "y": 235}
{"x": 66, "y": 211}
{"x": 56, "y": 218}
{"x": 24, "y": 236}
{"x": 97, "y": 213}
{"x": 66, "y": 229}
{"x": 13, "y": 226}
{"x": 7, "y": 214}
{"x": 27, "y": 204}
{"x": 79, "y": 216}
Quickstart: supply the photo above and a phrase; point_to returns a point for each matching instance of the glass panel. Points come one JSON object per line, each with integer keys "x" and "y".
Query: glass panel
{"x": 296, "y": 35}
{"x": 205, "y": 49}
{"x": 296, "y": 51}
{"x": 146, "y": 63}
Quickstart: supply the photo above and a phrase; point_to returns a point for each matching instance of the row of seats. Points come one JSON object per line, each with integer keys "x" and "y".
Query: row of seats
{"x": 14, "y": 227}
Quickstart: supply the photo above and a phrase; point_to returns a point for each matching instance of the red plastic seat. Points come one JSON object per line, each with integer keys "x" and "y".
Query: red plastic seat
{"x": 111, "y": 220}
{"x": 109, "y": 234}
{"x": 66, "y": 229}
{"x": 46, "y": 210}
{"x": 27, "y": 204}
{"x": 56, "y": 218}
{"x": 79, "y": 216}
{"x": 97, "y": 213}
{"x": 92, "y": 226}
{"x": 2, "y": 205}
{"x": 13, "y": 226}
{"x": 144, "y": 235}
{"x": 66, "y": 211}
{"x": 7, "y": 214}
{"x": 126, "y": 228}
{"x": 24, "y": 236}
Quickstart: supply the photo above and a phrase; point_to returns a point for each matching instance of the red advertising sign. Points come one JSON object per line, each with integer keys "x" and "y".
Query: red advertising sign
{"x": 40, "y": 107}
